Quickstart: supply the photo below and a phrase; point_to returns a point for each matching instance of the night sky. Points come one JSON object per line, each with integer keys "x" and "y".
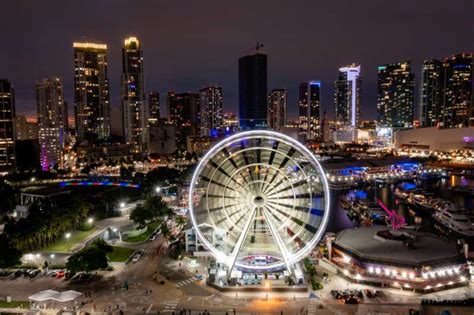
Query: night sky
{"x": 188, "y": 44}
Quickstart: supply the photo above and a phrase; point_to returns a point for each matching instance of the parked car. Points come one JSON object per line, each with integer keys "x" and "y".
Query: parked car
{"x": 33, "y": 273}
{"x": 351, "y": 300}
{"x": 18, "y": 273}
{"x": 60, "y": 274}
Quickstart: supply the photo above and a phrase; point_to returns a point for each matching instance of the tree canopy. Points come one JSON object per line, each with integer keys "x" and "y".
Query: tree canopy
{"x": 90, "y": 258}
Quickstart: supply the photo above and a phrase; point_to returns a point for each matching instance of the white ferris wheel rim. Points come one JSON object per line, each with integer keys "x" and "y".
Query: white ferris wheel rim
{"x": 305, "y": 251}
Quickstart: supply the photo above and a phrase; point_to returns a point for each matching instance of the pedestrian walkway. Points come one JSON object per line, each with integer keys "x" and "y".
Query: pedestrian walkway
{"x": 312, "y": 306}
{"x": 170, "y": 306}
{"x": 186, "y": 282}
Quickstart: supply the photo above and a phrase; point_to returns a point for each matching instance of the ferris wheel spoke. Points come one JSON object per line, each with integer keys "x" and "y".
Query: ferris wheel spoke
{"x": 240, "y": 241}
{"x": 279, "y": 242}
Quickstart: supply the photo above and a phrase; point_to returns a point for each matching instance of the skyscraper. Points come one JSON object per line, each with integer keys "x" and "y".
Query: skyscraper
{"x": 253, "y": 90}
{"x": 347, "y": 96}
{"x": 135, "y": 122}
{"x": 395, "y": 95}
{"x": 91, "y": 90}
{"x": 211, "y": 100}
{"x": 184, "y": 114}
{"x": 309, "y": 124}
{"x": 7, "y": 136}
{"x": 431, "y": 93}
{"x": 277, "y": 109}
{"x": 50, "y": 110}
{"x": 153, "y": 106}
{"x": 458, "y": 94}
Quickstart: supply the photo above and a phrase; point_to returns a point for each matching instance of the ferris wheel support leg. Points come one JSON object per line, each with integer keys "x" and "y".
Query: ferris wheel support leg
{"x": 280, "y": 244}
{"x": 239, "y": 243}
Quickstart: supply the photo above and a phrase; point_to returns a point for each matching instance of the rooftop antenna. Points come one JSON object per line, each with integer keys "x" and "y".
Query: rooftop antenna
{"x": 259, "y": 45}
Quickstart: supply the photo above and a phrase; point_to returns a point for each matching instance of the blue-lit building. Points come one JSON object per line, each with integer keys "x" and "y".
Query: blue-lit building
{"x": 253, "y": 90}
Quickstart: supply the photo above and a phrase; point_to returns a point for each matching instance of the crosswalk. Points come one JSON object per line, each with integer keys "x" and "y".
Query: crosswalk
{"x": 170, "y": 306}
{"x": 186, "y": 282}
{"x": 312, "y": 306}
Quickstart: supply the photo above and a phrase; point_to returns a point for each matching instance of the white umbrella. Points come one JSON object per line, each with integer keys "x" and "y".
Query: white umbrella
{"x": 67, "y": 296}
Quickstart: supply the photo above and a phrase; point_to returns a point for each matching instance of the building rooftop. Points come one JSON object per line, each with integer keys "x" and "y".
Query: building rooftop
{"x": 429, "y": 249}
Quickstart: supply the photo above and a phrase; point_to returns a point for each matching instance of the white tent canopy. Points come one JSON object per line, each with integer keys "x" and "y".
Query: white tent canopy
{"x": 43, "y": 295}
{"x": 62, "y": 297}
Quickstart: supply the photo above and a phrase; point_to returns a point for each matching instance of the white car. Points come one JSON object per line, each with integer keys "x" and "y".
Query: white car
{"x": 135, "y": 258}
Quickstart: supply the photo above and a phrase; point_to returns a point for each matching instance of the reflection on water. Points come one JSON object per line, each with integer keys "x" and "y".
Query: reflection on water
{"x": 437, "y": 187}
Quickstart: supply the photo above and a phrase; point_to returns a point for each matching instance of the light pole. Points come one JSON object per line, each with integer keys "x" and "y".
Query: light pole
{"x": 157, "y": 190}
{"x": 68, "y": 236}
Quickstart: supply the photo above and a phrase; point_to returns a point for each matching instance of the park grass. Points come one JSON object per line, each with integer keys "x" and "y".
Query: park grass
{"x": 64, "y": 246}
{"x": 15, "y": 304}
{"x": 144, "y": 236}
{"x": 119, "y": 254}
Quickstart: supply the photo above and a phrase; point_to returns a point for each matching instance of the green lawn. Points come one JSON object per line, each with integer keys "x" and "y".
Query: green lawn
{"x": 15, "y": 304}
{"x": 120, "y": 254}
{"x": 63, "y": 246}
{"x": 144, "y": 236}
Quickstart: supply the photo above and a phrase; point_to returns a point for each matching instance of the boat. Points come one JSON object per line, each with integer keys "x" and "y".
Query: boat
{"x": 455, "y": 222}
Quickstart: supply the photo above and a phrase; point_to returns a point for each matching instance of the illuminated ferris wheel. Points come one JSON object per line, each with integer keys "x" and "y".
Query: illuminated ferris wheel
{"x": 259, "y": 200}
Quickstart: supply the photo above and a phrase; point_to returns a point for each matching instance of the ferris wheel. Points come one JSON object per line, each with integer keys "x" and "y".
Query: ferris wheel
{"x": 259, "y": 200}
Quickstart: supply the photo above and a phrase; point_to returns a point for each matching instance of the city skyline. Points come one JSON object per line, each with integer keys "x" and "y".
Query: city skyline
{"x": 170, "y": 68}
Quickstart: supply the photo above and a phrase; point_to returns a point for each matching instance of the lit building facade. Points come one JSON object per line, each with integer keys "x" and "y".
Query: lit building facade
{"x": 277, "y": 109}
{"x": 253, "y": 90}
{"x": 458, "y": 98}
{"x": 211, "y": 114}
{"x": 347, "y": 97}
{"x": 50, "y": 111}
{"x": 431, "y": 93}
{"x": 184, "y": 114}
{"x": 153, "y": 107}
{"x": 25, "y": 130}
{"x": 91, "y": 90}
{"x": 395, "y": 95}
{"x": 7, "y": 133}
{"x": 135, "y": 122}
{"x": 309, "y": 124}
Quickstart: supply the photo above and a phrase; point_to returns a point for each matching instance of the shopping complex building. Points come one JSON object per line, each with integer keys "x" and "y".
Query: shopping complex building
{"x": 406, "y": 259}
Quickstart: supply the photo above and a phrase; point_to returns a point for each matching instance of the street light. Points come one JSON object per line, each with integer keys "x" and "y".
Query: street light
{"x": 68, "y": 236}
{"x": 90, "y": 220}
{"x": 122, "y": 205}
{"x": 158, "y": 189}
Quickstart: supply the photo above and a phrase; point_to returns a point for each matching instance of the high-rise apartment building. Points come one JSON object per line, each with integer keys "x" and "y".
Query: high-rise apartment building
{"x": 50, "y": 110}
{"x": 253, "y": 90}
{"x": 347, "y": 97}
{"x": 7, "y": 132}
{"x": 91, "y": 90}
{"x": 135, "y": 121}
{"x": 458, "y": 91}
{"x": 211, "y": 115}
{"x": 153, "y": 107}
{"x": 277, "y": 109}
{"x": 184, "y": 114}
{"x": 395, "y": 95}
{"x": 309, "y": 121}
{"x": 431, "y": 93}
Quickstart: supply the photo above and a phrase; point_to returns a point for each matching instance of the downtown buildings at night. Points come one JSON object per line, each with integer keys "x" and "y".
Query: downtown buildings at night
{"x": 277, "y": 109}
{"x": 52, "y": 122}
{"x": 253, "y": 90}
{"x": 134, "y": 111}
{"x": 446, "y": 92}
{"x": 395, "y": 95}
{"x": 7, "y": 133}
{"x": 91, "y": 90}
{"x": 347, "y": 97}
{"x": 309, "y": 105}
{"x": 211, "y": 110}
